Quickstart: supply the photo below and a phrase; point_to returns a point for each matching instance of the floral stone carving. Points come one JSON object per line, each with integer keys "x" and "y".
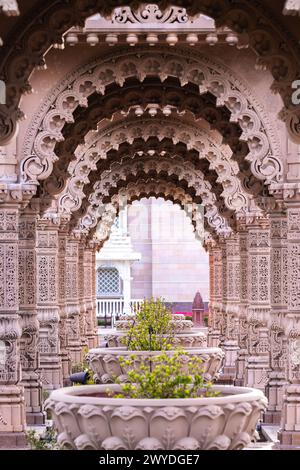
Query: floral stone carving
{"x": 86, "y": 419}
{"x": 105, "y": 363}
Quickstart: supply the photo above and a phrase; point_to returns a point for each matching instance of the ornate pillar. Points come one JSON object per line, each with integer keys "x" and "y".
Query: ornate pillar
{"x": 90, "y": 294}
{"x": 223, "y": 318}
{"x": 81, "y": 297}
{"x": 47, "y": 303}
{"x": 63, "y": 337}
{"x": 290, "y": 422}
{"x": 243, "y": 326}
{"x": 279, "y": 288}
{"x": 28, "y": 313}
{"x": 72, "y": 302}
{"x": 12, "y": 405}
{"x": 230, "y": 344}
{"x": 215, "y": 305}
{"x": 258, "y": 364}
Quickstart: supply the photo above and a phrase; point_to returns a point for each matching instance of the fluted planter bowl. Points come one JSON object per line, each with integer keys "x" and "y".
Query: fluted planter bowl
{"x": 192, "y": 339}
{"x": 86, "y": 419}
{"x": 178, "y": 325}
{"x": 105, "y": 362}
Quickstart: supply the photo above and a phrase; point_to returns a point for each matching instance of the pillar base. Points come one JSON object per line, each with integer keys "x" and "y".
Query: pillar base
{"x": 13, "y": 440}
{"x": 289, "y": 440}
{"x": 231, "y": 354}
{"x": 257, "y": 372}
{"x": 213, "y": 339}
{"x": 12, "y": 409}
{"x": 289, "y": 435}
{"x": 51, "y": 375}
{"x": 35, "y": 419}
{"x": 272, "y": 417}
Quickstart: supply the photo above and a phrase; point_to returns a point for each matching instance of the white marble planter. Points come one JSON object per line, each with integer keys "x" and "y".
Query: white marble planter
{"x": 177, "y": 325}
{"x": 193, "y": 339}
{"x": 87, "y": 419}
{"x": 105, "y": 362}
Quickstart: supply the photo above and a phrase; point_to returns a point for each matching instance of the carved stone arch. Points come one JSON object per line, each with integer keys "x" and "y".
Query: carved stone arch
{"x": 103, "y": 189}
{"x": 264, "y": 150}
{"x": 141, "y": 151}
{"x": 104, "y": 225}
{"x": 148, "y": 188}
{"x": 99, "y": 145}
{"x": 49, "y": 22}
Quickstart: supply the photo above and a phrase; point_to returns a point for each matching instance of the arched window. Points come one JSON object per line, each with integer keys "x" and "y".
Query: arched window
{"x": 108, "y": 282}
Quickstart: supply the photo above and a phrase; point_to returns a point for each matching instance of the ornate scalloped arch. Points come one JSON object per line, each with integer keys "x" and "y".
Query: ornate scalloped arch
{"x": 183, "y": 171}
{"x": 100, "y": 144}
{"x": 147, "y": 188}
{"x": 207, "y": 75}
{"x": 105, "y": 223}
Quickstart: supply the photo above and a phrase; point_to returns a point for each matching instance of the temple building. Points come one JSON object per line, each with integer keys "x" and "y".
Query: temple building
{"x": 149, "y": 150}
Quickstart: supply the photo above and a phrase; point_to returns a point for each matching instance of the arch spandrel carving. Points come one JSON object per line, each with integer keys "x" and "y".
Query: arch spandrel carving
{"x": 265, "y": 37}
{"x": 264, "y": 149}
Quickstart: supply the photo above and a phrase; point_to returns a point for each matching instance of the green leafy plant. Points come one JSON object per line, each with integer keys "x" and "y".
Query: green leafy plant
{"x": 205, "y": 319}
{"x": 151, "y": 329}
{"x": 172, "y": 375}
{"x": 46, "y": 441}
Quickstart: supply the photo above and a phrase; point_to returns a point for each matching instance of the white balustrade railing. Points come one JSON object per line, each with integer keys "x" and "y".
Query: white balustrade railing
{"x": 109, "y": 309}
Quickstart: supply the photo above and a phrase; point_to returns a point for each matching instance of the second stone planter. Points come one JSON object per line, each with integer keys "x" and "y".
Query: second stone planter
{"x": 105, "y": 362}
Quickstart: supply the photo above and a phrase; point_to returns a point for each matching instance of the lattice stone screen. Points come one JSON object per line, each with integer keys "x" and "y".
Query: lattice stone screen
{"x": 108, "y": 282}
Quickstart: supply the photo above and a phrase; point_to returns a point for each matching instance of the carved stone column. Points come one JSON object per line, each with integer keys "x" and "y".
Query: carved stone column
{"x": 230, "y": 344}
{"x": 215, "y": 285}
{"x": 290, "y": 421}
{"x": 243, "y": 326}
{"x": 279, "y": 291}
{"x": 12, "y": 404}
{"x": 81, "y": 297}
{"x": 258, "y": 364}
{"x": 47, "y": 303}
{"x": 72, "y": 302}
{"x": 64, "y": 353}
{"x": 28, "y": 313}
{"x": 223, "y": 317}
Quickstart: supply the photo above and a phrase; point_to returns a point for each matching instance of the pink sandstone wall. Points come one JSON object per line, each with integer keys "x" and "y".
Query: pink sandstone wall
{"x": 174, "y": 265}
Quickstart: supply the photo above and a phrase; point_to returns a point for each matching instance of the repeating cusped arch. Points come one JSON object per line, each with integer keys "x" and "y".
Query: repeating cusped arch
{"x": 146, "y": 188}
{"x": 186, "y": 176}
{"x": 208, "y": 77}
{"x": 98, "y": 147}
